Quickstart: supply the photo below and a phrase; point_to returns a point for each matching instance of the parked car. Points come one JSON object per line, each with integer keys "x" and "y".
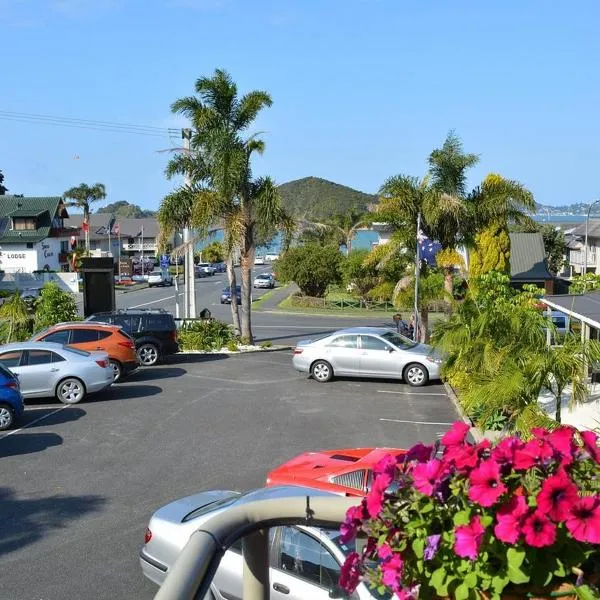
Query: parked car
{"x": 206, "y": 267}
{"x": 304, "y": 561}
{"x": 219, "y": 267}
{"x": 176, "y": 260}
{"x": 11, "y": 399}
{"x": 259, "y": 260}
{"x": 91, "y": 337}
{"x": 367, "y": 352}
{"x": 153, "y": 331}
{"x": 346, "y": 471}
{"x": 271, "y": 257}
{"x": 47, "y": 369}
{"x": 159, "y": 277}
{"x": 226, "y": 295}
{"x": 264, "y": 281}
{"x": 200, "y": 272}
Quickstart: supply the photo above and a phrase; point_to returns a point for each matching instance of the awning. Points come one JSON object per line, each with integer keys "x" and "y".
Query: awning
{"x": 582, "y": 307}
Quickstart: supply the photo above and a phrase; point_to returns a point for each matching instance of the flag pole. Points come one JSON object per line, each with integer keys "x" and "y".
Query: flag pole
{"x": 119, "y": 238}
{"x": 142, "y": 249}
{"x": 417, "y": 276}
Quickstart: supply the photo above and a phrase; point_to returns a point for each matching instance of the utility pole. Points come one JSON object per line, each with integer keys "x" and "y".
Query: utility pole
{"x": 417, "y": 276}
{"x": 189, "y": 310}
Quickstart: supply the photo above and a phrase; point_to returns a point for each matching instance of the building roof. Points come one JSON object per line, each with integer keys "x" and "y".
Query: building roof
{"x": 528, "y": 257}
{"x": 593, "y": 229}
{"x": 130, "y": 228}
{"x": 583, "y": 307}
{"x": 44, "y": 208}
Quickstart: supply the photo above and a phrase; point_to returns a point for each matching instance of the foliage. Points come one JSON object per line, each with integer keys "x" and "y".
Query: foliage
{"x": 340, "y": 228}
{"x": 14, "y": 316}
{"x": 311, "y": 267}
{"x": 481, "y": 521}
{"x": 125, "y": 210}
{"x": 584, "y": 283}
{"x": 206, "y": 335}
{"x": 495, "y": 345}
{"x": 83, "y": 195}
{"x": 555, "y": 244}
{"x": 232, "y": 346}
{"x": 3, "y": 188}
{"x": 382, "y": 292}
{"x": 266, "y": 344}
{"x": 214, "y": 252}
{"x": 357, "y": 275}
{"x": 54, "y": 306}
{"x": 313, "y": 198}
{"x": 491, "y": 251}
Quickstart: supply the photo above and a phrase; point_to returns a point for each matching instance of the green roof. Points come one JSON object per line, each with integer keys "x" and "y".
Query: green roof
{"x": 528, "y": 257}
{"x": 42, "y": 208}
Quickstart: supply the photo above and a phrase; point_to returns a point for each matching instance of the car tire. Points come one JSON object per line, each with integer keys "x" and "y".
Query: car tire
{"x": 7, "y": 416}
{"x": 148, "y": 354}
{"x": 70, "y": 390}
{"x": 117, "y": 369}
{"x": 415, "y": 374}
{"x": 321, "y": 371}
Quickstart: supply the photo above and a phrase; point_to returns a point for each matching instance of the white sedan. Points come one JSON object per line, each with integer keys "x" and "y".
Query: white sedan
{"x": 259, "y": 260}
{"x": 159, "y": 277}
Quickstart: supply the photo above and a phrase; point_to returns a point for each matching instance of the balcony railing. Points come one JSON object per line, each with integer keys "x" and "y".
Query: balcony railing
{"x": 137, "y": 247}
{"x": 577, "y": 257}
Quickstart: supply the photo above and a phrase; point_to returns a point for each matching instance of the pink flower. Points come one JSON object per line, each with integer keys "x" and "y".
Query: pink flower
{"x": 387, "y": 465}
{"x": 456, "y": 435}
{"x": 510, "y": 520}
{"x": 376, "y": 495}
{"x": 485, "y": 485}
{"x": 590, "y": 444}
{"x": 534, "y": 452}
{"x": 353, "y": 520}
{"x": 392, "y": 571}
{"x": 411, "y": 593}
{"x": 468, "y": 538}
{"x": 583, "y": 521}
{"x": 539, "y": 531}
{"x": 561, "y": 440}
{"x": 419, "y": 452}
{"x": 426, "y": 476}
{"x": 504, "y": 452}
{"x": 350, "y": 572}
{"x": 557, "y": 495}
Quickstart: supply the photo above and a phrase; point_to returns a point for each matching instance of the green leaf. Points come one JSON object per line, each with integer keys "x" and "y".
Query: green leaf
{"x": 471, "y": 580}
{"x": 560, "y": 570}
{"x": 499, "y": 582}
{"x": 585, "y": 592}
{"x": 487, "y": 520}
{"x": 461, "y": 592}
{"x": 515, "y": 559}
{"x": 462, "y": 517}
{"x": 418, "y": 547}
{"x": 438, "y": 581}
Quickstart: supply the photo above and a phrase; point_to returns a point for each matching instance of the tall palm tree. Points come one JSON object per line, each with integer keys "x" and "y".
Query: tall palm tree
{"x": 14, "y": 313}
{"x": 343, "y": 226}
{"x": 81, "y": 197}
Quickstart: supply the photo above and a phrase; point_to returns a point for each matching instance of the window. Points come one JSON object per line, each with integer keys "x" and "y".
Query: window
{"x": 344, "y": 341}
{"x": 24, "y": 224}
{"x": 158, "y": 323}
{"x": 81, "y": 336}
{"x": 56, "y": 358}
{"x": 11, "y": 359}
{"x": 305, "y": 557}
{"x": 29, "y": 245}
{"x": 369, "y": 342}
{"x": 102, "y": 335}
{"x": 559, "y": 322}
{"x": 58, "y": 337}
{"x": 64, "y": 246}
{"x": 39, "y": 357}
{"x": 398, "y": 340}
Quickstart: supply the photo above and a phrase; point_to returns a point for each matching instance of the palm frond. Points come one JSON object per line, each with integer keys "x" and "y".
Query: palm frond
{"x": 249, "y": 107}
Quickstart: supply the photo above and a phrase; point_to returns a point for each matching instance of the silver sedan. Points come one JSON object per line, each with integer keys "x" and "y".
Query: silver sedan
{"x": 304, "y": 561}
{"x": 48, "y": 369}
{"x": 367, "y": 352}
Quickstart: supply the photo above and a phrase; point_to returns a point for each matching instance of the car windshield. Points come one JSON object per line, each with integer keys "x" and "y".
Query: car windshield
{"x": 398, "y": 340}
{"x": 157, "y": 272}
{"x": 237, "y": 289}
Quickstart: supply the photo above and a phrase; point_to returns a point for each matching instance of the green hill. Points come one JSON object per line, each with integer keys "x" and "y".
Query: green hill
{"x": 315, "y": 198}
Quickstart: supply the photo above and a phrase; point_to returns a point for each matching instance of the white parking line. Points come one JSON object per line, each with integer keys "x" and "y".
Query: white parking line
{"x": 153, "y": 301}
{"x": 415, "y": 422}
{"x": 33, "y": 422}
{"x": 411, "y": 393}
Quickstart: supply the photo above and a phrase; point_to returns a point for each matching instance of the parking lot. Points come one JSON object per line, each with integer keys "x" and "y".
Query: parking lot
{"x": 80, "y": 482}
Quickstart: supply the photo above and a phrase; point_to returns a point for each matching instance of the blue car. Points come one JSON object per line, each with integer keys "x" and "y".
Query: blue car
{"x": 11, "y": 399}
{"x": 226, "y": 295}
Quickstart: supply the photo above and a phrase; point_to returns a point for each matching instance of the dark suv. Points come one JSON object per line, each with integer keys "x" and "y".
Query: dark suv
{"x": 153, "y": 330}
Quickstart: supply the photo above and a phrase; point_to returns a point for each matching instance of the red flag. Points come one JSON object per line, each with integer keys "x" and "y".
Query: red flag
{"x": 85, "y": 226}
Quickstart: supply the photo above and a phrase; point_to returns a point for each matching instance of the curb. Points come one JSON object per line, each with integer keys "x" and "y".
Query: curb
{"x": 334, "y": 316}
{"x": 475, "y": 432}
{"x": 238, "y": 353}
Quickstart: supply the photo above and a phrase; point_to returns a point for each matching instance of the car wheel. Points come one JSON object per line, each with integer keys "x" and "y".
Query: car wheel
{"x": 7, "y": 416}
{"x": 70, "y": 390}
{"x": 415, "y": 374}
{"x": 117, "y": 369}
{"x": 321, "y": 371}
{"x": 147, "y": 354}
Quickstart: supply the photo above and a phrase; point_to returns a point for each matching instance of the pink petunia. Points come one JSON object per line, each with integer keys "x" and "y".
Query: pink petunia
{"x": 353, "y": 520}
{"x": 426, "y": 476}
{"x": 510, "y": 520}
{"x": 557, "y": 495}
{"x": 468, "y": 538}
{"x": 419, "y": 452}
{"x": 485, "y": 485}
{"x": 534, "y": 452}
{"x": 583, "y": 521}
{"x": 504, "y": 452}
{"x": 350, "y": 572}
{"x": 562, "y": 441}
{"x": 590, "y": 444}
{"x": 386, "y": 465}
{"x": 392, "y": 571}
{"x": 538, "y": 530}
{"x": 456, "y": 435}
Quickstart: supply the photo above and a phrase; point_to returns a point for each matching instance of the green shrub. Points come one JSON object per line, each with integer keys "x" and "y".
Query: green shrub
{"x": 244, "y": 341}
{"x": 232, "y": 346}
{"x": 54, "y": 306}
{"x": 266, "y": 344}
{"x": 205, "y": 335}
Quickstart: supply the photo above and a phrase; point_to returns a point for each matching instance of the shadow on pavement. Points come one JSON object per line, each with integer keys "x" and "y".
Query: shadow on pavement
{"x": 23, "y": 521}
{"x": 26, "y": 443}
{"x": 150, "y": 373}
{"x": 195, "y": 358}
{"x": 70, "y": 413}
{"x": 127, "y": 392}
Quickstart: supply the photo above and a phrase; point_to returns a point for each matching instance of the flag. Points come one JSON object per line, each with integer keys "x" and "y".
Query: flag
{"x": 140, "y": 232}
{"x": 428, "y": 249}
{"x": 110, "y": 224}
{"x": 102, "y": 230}
{"x": 85, "y": 226}
{"x": 116, "y": 229}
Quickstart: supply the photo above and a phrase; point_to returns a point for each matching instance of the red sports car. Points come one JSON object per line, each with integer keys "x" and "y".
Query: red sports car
{"x": 347, "y": 471}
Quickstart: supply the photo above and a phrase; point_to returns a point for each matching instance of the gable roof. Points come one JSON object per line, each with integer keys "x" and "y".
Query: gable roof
{"x": 43, "y": 208}
{"x": 593, "y": 229}
{"x": 528, "y": 257}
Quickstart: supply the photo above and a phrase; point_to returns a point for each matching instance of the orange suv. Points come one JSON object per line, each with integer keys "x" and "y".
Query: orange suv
{"x": 95, "y": 336}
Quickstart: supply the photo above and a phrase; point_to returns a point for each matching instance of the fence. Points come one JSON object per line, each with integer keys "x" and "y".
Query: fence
{"x": 341, "y": 304}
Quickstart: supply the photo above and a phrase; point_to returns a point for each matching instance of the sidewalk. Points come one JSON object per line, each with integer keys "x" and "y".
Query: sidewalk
{"x": 277, "y": 296}
{"x": 583, "y": 416}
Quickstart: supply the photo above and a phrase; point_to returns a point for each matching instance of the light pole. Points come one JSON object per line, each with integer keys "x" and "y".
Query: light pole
{"x": 585, "y": 250}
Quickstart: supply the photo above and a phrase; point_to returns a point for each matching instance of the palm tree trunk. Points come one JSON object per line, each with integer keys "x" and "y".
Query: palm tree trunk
{"x": 558, "y": 415}
{"x": 246, "y": 267}
{"x": 448, "y": 282}
{"x": 424, "y": 325}
{"x": 235, "y": 315}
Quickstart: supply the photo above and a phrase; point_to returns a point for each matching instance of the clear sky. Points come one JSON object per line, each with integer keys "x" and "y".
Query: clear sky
{"x": 362, "y": 89}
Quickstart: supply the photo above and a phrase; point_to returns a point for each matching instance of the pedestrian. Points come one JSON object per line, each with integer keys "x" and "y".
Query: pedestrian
{"x": 411, "y": 328}
{"x": 401, "y": 324}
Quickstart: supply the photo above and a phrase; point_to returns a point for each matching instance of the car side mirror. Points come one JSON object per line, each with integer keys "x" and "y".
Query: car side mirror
{"x": 337, "y": 592}
{"x": 390, "y": 349}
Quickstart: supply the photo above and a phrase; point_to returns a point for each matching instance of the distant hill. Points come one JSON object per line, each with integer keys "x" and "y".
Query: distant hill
{"x": 123, "y": 209}
{"x": 579, "y": 208}
{"x": 316, "y": 198}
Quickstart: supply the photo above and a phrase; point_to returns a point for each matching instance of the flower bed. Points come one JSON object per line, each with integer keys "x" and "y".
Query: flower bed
{"x": 481, "y": 520}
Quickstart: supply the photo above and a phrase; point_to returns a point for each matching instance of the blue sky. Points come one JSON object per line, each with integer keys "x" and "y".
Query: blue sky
{"x": 362, "y": 89}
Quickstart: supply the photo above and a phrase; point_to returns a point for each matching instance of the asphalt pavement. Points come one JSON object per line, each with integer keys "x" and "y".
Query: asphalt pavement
{"x": 79, "y": 483}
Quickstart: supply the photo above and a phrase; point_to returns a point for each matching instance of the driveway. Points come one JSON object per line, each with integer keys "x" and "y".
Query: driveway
{"x": 80, "y": 482}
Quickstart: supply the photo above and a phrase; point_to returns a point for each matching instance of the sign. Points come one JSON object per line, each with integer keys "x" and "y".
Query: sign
{"x": 125, "y": 267}
{"x": 164, "y": 261}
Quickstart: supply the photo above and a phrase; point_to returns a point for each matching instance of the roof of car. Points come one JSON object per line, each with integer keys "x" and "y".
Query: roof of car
{"x": 82, "y": 324}
{"x": 33, "y": 346}
{"x": 375, "y": 330}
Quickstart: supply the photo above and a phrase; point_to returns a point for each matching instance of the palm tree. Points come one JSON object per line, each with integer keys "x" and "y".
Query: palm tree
{"x": 82, "y": 196}
{"x": 14, "y": 313}
{"x": 343, "y": 226}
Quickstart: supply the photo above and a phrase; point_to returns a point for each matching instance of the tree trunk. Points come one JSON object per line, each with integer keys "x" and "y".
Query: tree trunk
{"x": 558, "y": 415}
{"x": 424, "y": 325}
{"x": 246, "y": 267}
{"x": 448, "y": 283}
{"x": 235, "y": 315}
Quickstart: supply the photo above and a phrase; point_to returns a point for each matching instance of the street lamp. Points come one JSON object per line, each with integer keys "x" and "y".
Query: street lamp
{"x": 585, "y": 250}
